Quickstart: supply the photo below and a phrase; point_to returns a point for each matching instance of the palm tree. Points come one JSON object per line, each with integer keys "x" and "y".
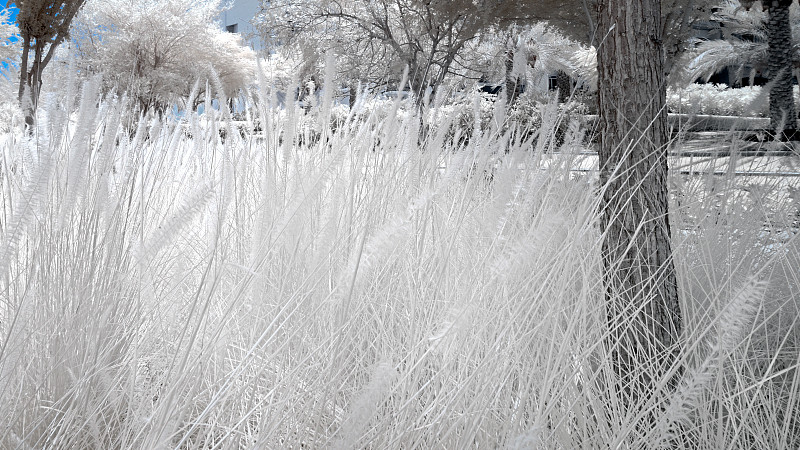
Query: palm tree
{"x": 782, "y": 113}
{"x": 744, "y": 43}
{"x": 756, "y": 38}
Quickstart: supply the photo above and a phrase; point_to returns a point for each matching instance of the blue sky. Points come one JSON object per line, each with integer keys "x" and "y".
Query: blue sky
{"x": 12, "y": 17}
{"x": 14, "y": 10}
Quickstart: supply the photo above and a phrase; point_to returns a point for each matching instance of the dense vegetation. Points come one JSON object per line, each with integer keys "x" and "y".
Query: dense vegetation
{"x": 398, "y": 236}
{"x": 167, "y": 288}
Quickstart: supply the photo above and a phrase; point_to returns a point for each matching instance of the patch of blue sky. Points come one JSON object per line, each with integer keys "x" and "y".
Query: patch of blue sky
{"x": 12, "y": 17}
{"x": 14, "y": 10}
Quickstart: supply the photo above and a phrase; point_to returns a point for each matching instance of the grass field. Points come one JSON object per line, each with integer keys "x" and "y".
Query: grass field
{"x": 365, "y": 288}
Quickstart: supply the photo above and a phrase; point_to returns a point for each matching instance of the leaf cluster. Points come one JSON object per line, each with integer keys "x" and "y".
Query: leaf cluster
{"x": 47, "y": 20}
{"x": 9, "y": 50}
{"x": 374, "y": 39}
{"x": 156, "y": 50}
{"x": 744, "y": 44}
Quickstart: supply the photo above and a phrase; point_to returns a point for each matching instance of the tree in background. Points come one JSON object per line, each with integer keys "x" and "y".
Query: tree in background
{"x": 555, "y": 52}
{"x": 743, "y": 43}
{"x": 644, "y": 315}
{"x": 578, "y": 19}
{"x": 375, "y": 40}
{"x": 677, "y": 19}
{"x": 782, "y": 112}
{"x": 307, "y": 31}
{"x": 527, "y": 55}
{"x": 156, "y": 50}
{"x": 43, "y": 26}
{"x": 756, "y": 37}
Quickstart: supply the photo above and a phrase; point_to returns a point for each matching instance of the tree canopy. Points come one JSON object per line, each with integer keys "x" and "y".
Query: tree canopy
{"x": 373, "y": 38}
{"x": 9, "y": 48}
{"x": 756, "y": 38}
{"x": 156, "y": 50}
{"x": 43, "y": 25}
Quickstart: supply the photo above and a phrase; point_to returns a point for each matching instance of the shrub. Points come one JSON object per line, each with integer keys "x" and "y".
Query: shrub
{"x": 719, "y": 99}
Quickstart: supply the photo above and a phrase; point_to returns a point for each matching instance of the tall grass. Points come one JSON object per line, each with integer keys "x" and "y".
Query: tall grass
{"x": 363, "y": 288}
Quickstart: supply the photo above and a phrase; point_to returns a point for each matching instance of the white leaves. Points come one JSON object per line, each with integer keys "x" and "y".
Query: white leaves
{"x": 713, "y": 56}
{"x": 156, "y": 49}
{"x": 584, "y": 62}
{"x": 719, "y": 99}
{"x": 280, "y": 68}
{"x": 9, "y": 50}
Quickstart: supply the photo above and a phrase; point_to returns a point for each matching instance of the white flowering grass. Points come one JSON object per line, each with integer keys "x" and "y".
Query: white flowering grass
{"x": 362, "y": 289}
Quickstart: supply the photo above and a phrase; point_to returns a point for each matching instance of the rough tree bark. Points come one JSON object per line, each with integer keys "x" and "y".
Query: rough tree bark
{"x": 643, "y": 311}
{"x": 23, "y": 79}
{"x": 782, "y": 112}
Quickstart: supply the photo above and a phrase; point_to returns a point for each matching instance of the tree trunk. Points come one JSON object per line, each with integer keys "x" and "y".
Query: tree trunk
{"x": 512, "y": 80}
{"x": 30, "y": 78}
{"x": 353, "y": 94}
{"x": 35, "y": 78}
{"x": 27, "y": 108}
{"x": 782, "y": 113}
{"x": 641, "y": 292}
{"x": 564, "y": 86}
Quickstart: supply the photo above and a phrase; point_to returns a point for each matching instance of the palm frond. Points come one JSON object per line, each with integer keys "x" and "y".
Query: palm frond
{"x": 709, "y": 57}
{"x": 737, "y": 20}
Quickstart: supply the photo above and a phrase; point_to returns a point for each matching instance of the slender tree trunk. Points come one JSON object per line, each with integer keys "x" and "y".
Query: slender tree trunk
{"x": 25, "y": 103}
{"x": 782, "y": 112}
{"x": 46, "y": 24}
{"x": 30, "y": 79}
{"x": 564, "y": 85}
{"x": 353, "y": 94}
{"x": 36, "y": 73}
{"x": 643, "y": 312}
{"x": 512, "y": 80}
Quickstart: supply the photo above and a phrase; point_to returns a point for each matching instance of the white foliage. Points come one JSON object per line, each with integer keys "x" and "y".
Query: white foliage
{"x": 375, "y": 40}
{"x": 281, "y": 68}
{"x": 719, "y": 99}
{"x": 554, "y": 51}
{"x": 712, "y": 56}
{"x": 310, "y": 29}
{"x": 744, "y": 43}
{"x": 10, "y": 113}
{"x": 157, "y": 49}
{"x": 9, "y": 51}
{"x": 584, "y": 62}
{"x": 539, "y": 50}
